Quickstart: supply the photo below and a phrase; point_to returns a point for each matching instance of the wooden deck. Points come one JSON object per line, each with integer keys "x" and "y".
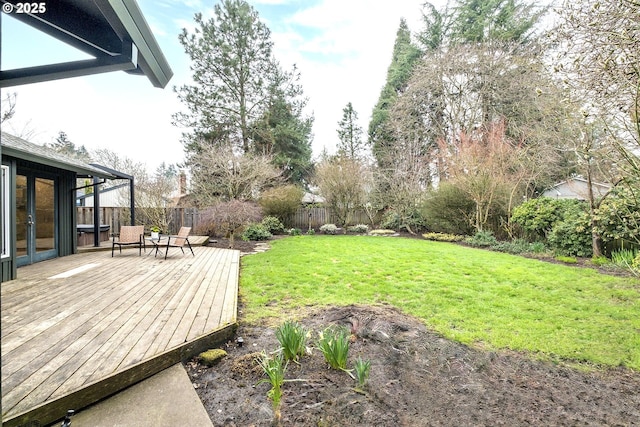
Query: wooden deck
{"x": 79, "y": 328}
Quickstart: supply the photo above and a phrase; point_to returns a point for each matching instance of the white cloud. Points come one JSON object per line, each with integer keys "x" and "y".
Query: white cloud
{"x": 343, "y": 50}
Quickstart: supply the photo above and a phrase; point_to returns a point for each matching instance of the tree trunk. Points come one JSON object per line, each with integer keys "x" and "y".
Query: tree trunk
{"x": 596, "y": 240}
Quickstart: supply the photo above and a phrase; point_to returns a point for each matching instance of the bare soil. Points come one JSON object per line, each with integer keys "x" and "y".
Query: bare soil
{"x": 418, "y": 378}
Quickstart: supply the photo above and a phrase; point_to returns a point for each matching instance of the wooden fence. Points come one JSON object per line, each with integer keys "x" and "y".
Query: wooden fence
{"x": 190, "y": 217}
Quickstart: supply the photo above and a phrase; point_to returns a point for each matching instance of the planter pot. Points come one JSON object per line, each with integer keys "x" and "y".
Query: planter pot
{"x": 155, "y": 235}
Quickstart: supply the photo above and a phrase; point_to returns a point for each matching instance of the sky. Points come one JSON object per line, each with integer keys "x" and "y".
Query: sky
{"x": 342, "y": 49}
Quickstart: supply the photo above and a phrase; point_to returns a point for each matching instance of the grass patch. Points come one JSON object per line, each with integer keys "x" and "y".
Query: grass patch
{"x": 469, "y": 295}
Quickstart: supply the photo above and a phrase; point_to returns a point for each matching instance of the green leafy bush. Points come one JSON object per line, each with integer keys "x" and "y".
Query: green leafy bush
{"x": 256, "y": 232}
{"x": 618, "y": 216}
{"x": 519, "y": 246}
{"x": 282, "y": 202}
{"x": 329, "y": 229}
{"x": 273, "y": 225}
{"x": 448, "y": 209}
{"x": 572, "y": 236}
{"x": 382, "y": 232}
{"x": 294, "y": 232}
{"x": 538, "y": 216}
{"x": 413, "y": 220}
{"x": 567, "y": 259}
{"x": 443, "y": 237}
{"x": 482, "y": 239}
{"x": 358, "y": 229}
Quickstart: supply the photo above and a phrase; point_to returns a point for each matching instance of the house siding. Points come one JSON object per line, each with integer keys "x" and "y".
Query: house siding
{"x": 8, "y": 265}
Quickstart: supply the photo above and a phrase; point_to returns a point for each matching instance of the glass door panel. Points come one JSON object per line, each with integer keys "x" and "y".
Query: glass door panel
{"x": 44, "y": 215}
{"x": 35, "y": 219}
{"x": 22, "y": 215}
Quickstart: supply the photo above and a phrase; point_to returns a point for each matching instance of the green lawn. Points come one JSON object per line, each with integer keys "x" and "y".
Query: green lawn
{"x": 470, "y": 295}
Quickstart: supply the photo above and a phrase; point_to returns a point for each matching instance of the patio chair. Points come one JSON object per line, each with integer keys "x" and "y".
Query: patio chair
{"x": 130, "y": 235}
{"x": 176, "y": 241}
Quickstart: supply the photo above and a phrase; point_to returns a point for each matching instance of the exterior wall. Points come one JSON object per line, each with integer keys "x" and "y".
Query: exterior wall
{"x": 8, "y": 265}
{"x": 575, "y": 189}
{"x": 65, "y": 215}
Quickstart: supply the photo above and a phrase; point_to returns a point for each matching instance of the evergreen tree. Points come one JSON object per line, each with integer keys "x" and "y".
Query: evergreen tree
{"x": 231, "y": 64}
{"x": 64, "y": 146}
{"x": 483, "y": 21}
{"x": 405, "y": 56}
{"x": 283, "y": 131}
{"x": 350, "y": 134}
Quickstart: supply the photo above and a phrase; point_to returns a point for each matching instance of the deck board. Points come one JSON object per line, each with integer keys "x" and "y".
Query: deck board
{"x": 61, "y": 336}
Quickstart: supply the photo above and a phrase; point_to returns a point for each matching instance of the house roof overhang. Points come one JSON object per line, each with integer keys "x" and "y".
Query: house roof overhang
{"x": 114, "y": 32}
{"x": 18, "y": 148}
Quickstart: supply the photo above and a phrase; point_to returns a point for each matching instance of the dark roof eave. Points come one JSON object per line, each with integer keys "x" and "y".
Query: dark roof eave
{"x": 151, "y": 61}
{"x": 18, "y": 148}
{"x": 103, "y": 29}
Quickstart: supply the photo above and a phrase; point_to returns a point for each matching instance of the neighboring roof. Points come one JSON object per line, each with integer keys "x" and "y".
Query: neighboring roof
{"x": 113, "y": 31}
{"x": 309, "y": 198}
{"x": 19, "y": 148}
{"x": 576, "y": 188}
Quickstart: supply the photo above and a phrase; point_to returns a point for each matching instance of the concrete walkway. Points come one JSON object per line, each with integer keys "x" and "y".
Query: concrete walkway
{"x": 167, "y": 399}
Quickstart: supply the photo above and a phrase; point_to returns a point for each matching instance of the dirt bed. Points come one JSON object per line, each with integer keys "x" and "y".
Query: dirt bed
{"x": 417, "y": 378}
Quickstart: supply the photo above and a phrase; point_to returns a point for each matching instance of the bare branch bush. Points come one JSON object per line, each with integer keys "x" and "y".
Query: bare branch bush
{"x": 228, "y": 219}
{"x": 220, "y": 174}
{"x": 342, "y": 182}
{"x": 485, "y": 166}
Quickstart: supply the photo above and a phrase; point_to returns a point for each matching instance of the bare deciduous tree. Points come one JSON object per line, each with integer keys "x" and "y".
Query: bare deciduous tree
{"x": 599, "y": 59}
{"x": 343, "y": 183}
{"x": 485, "y": 166}
{"x": 219, "y": 173}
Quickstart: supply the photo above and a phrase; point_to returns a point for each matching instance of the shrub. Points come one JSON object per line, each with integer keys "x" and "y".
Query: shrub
{"x": 382, "y": 232}
{"x": 227, "y": 219}
{"x": 443, "y": 237}
{"x": 600, "y": 261}
{"x": 448, "y": 209}
{"x": 311, "y": 232}
{"x": 618, "y": 216}
{"x": 282, "y": 202}
{"x": 519, "y": 246}
{"x": 410, "y": 221}
{"x": 256, "y": 232}
{"x": 358, "y": 229}
{"x": 538, "y": 216}
{"x": 294, "y": 232}
{"x": 273, "y": 225}
{"x": 572, "y": 236}
{"x": 329, "y": 229}
{"x": 567, "y": 259}
{"x": 482, "y": 239}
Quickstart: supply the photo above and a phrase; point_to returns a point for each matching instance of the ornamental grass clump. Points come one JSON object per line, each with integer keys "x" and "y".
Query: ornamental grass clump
{"x": 333, "y": 342}
{"x": 292, "y": 337}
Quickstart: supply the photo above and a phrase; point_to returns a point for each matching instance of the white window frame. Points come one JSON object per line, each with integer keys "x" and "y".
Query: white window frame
{"x": 4, "y": 205}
